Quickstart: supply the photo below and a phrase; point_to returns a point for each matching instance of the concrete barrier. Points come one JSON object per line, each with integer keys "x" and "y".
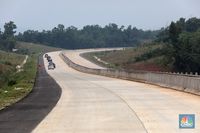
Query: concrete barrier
{"x": 181, "y": 82}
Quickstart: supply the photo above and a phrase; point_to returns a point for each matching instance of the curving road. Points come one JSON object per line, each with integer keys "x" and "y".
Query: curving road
{"x": 97, "y": 104}
{"x": 74, "y": 55}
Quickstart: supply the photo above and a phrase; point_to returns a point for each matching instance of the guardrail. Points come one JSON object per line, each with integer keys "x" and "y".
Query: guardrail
{"x": 181, "y": 82}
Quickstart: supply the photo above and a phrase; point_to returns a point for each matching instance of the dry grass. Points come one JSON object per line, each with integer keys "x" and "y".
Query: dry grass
{"x": 10, "y": 58}
{"x": 24, "y": 82}
{"x": 126, "y": 59}
{"x": 33, "y": 48}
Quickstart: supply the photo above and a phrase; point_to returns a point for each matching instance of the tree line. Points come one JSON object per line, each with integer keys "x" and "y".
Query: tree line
{"x": 182, "y": 39}
{"x": 90, "y": 36}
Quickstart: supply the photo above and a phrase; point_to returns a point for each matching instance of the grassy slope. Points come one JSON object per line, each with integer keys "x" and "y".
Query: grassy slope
{"x": 23, "y": 81}
{"x": 126, "y": 59}
{"x": 34, "y": 48}
{"x": 8, "y": 61}
{"x": 10, "y": 58}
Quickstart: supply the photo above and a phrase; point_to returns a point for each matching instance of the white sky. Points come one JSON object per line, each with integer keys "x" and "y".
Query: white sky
{"x": 46, "y": 14}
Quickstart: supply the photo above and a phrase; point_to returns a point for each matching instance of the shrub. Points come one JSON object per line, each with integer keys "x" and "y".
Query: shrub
{"x": 12, "y": 82}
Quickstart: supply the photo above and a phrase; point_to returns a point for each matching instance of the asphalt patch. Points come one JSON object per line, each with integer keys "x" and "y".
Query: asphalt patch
{"x": 24, "y": 116}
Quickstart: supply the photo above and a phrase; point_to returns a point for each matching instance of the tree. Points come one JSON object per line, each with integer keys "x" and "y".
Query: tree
{"x": 181, "y": 24}
{"x": 1, "y": 35}
{"x": 183, "y": 44}
{"x": 174, "y": 32}
{"x": 91, "y": 36}
{"x": 61, "y": 27}
{"x": 188, "y": 57}
{"x": 8, "y": 39}
{"x": 192, "y": 24}
{"x": 9, "y": 29}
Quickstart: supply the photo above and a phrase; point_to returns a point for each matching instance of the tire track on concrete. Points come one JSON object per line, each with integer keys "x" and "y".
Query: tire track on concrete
{"x": 25, "y": 115}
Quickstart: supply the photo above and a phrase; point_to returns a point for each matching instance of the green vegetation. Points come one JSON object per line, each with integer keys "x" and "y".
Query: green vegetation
{"x": 33, "y": 48}
{"x": 8, "y": 63}
{"x": 177, "y": 48}
{"x": 174, "y": 48}
{"x": 137, "y": 58}
{"x": 7, "y": 39}
{"x": 9, "y": 77}
{"x": 91, "y": 36}
{"x": 10, "y": 58}
{"x": 182, "y": 39}
{"x": 16, "y": 85}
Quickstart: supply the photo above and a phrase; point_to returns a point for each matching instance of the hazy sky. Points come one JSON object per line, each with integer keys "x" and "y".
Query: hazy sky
{"x": 46, "y": 14}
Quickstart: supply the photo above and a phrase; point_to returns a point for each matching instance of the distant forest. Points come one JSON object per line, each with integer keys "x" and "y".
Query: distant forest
{"x": 90, "y": 36}
{"x": 180, "y": 40}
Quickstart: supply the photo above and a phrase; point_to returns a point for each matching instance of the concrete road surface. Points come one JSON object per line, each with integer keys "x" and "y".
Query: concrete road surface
{"x": 74, "y": 55}
{"x": 97, "y": 104}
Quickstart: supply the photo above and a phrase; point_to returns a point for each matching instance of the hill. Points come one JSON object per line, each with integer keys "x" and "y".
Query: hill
{"x": 177, "y": 49}
{"x": 14, "y": 84}
{"x": 136, "y": 58}
{"x": 34, "y": 48}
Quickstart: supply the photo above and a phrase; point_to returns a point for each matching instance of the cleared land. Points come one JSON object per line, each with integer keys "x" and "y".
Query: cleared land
{"x": 138, "y": 58}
